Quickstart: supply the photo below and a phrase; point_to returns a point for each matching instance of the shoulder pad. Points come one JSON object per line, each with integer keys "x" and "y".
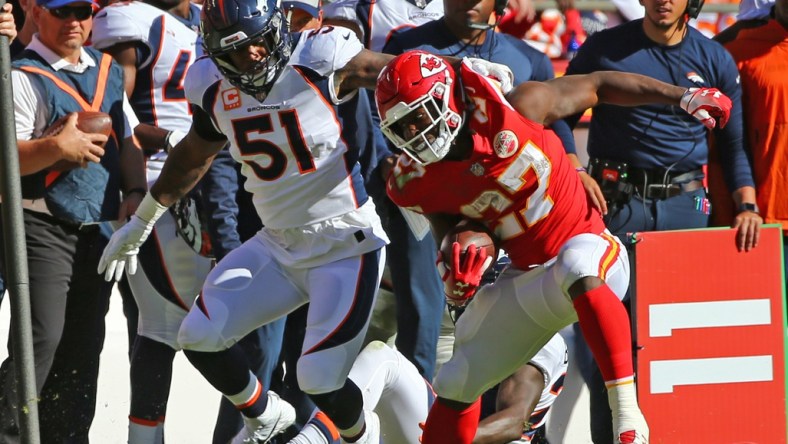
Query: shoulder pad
{"x": 200, "y": 76}
{"x": 326, "y": 50}
{"x": 342, "y": 9}
{"x": 123, "y": 22}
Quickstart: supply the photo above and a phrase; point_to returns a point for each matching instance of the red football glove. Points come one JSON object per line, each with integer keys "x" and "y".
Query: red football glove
{"x": 708, "y": 105}
{"x": 461, "y": 281}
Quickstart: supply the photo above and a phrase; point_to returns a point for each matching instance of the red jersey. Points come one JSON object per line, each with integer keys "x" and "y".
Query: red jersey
{"x": 518, "y": 181}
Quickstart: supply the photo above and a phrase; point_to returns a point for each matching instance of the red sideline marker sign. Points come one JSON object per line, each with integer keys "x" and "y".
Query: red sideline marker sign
{"x": 711, "y": 335}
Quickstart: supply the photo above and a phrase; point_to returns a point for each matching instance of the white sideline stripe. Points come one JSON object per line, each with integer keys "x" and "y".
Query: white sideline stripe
{"x": 667, "y": 374}
{"x": 664, "y": 318}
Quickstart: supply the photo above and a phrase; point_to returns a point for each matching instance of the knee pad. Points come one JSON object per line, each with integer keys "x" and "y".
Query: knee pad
{"x": 571, "y": 265}
{"x": 585, "y": 255}
{"x": 451, "y": 382}
{"x": 198, "y": 332}
{"x": 315, "y": 377}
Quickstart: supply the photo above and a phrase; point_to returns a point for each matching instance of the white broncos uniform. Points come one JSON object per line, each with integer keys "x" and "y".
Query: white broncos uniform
{"x": 172, "y": 273}
{"x": 322, "y": 242}
{"x": 394, "y": 389}
{"x": 379, "y": 19}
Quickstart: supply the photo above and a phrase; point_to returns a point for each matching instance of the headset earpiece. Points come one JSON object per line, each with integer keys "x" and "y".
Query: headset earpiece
{"x": 693, "y": 8}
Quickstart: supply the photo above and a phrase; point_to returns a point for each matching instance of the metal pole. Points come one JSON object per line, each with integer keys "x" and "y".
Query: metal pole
{"x": 16, "y": 276}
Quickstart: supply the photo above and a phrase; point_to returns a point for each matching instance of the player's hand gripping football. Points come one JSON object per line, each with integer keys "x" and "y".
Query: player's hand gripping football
{"x": 708, "y": 105}
{"x": 462, "y": 278}
{"x": 125, "y": 243}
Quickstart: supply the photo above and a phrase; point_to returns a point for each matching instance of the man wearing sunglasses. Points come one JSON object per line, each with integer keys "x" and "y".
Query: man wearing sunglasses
{"x": 65, "y": 210}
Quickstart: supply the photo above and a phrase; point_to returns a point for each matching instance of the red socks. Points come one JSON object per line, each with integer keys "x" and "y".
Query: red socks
{"x": 605, "y": 326}
{"x": 448, "y": 426}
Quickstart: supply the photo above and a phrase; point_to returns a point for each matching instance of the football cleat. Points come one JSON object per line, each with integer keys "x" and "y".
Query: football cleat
{"x": 632, "y": 437}
{"x": 635, "y": 432}
{"x": 371, "y": 433}
{"x": 278, "y": 416}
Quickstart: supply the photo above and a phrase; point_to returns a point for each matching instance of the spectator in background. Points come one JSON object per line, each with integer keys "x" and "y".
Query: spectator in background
{"x": 55, "y": 76}
{"x": 755, "y": 9}
{"x": 648, "y": 160}
{"x": 752, "y": 13}
{"x": 411, "y": 253}
{"x": 303, "y": 15}
{"x": 552, "y": 30}
{"x": 760, "y": 50}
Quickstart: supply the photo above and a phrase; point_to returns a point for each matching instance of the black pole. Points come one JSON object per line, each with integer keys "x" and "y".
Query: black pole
{"x": 16, "y": 276}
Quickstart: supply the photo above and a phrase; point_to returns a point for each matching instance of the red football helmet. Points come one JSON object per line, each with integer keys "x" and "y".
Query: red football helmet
{"x": 417, "y": 108}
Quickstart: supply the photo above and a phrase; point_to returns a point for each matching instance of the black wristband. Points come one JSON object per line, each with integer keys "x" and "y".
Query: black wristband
{"x": 140, "y": 190}
{"x": 746, "y": 206}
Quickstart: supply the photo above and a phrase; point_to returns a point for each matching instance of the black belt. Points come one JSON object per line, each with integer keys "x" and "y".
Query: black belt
{"x": 663, "y": 184}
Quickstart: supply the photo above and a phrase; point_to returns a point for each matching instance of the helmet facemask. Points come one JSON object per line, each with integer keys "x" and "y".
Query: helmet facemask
{"x": 258, "y": 80}
{"x": 431, "y": 143}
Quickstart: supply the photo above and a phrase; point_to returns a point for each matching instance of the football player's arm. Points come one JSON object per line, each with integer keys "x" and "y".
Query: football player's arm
{"x": 125, "y": 53}
{"x": 545, "y": 102}
{"x": 132, "y": 169}
{"x": 360, "y": 72}
{"x": 363, "y": 69}
{"x": 188, "y": 160}
{"x": 517, "y": 398}
{"x": 150, "y": 137}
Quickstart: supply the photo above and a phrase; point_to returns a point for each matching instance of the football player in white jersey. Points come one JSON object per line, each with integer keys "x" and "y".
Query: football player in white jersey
{"x": 287, "y": 109}
{"x": 156, "y": 43}
{"x": 374, "y": 21}
{"x": 393, "y": 388}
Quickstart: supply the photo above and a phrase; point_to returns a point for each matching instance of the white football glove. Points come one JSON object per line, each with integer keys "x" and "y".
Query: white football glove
{"x": 496, "y": 71}
{"x": 708, "y": 105}
{"x": 126, "y": 241}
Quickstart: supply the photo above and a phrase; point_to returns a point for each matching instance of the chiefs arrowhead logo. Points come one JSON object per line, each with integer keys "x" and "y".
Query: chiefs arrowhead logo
{"x": 431, "y": 65}
{"x": 505, "y": 144}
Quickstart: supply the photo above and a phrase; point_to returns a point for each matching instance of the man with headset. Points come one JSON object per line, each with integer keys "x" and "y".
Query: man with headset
{"x": 647, "y": 160}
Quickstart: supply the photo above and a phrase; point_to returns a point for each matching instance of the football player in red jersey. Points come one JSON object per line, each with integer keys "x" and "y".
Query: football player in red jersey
{"x": 471, "y": 151}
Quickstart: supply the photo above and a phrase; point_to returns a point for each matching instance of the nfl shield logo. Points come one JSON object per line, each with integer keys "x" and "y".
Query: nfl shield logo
{"x": 505, "y": 144}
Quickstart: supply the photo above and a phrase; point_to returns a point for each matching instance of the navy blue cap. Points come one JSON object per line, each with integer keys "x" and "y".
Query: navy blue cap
{"x": 54, "y": 4}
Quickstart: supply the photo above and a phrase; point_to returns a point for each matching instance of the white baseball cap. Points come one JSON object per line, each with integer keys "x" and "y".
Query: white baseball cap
{"x": 310, "y": 6}
{"x": 754, "y": 9}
